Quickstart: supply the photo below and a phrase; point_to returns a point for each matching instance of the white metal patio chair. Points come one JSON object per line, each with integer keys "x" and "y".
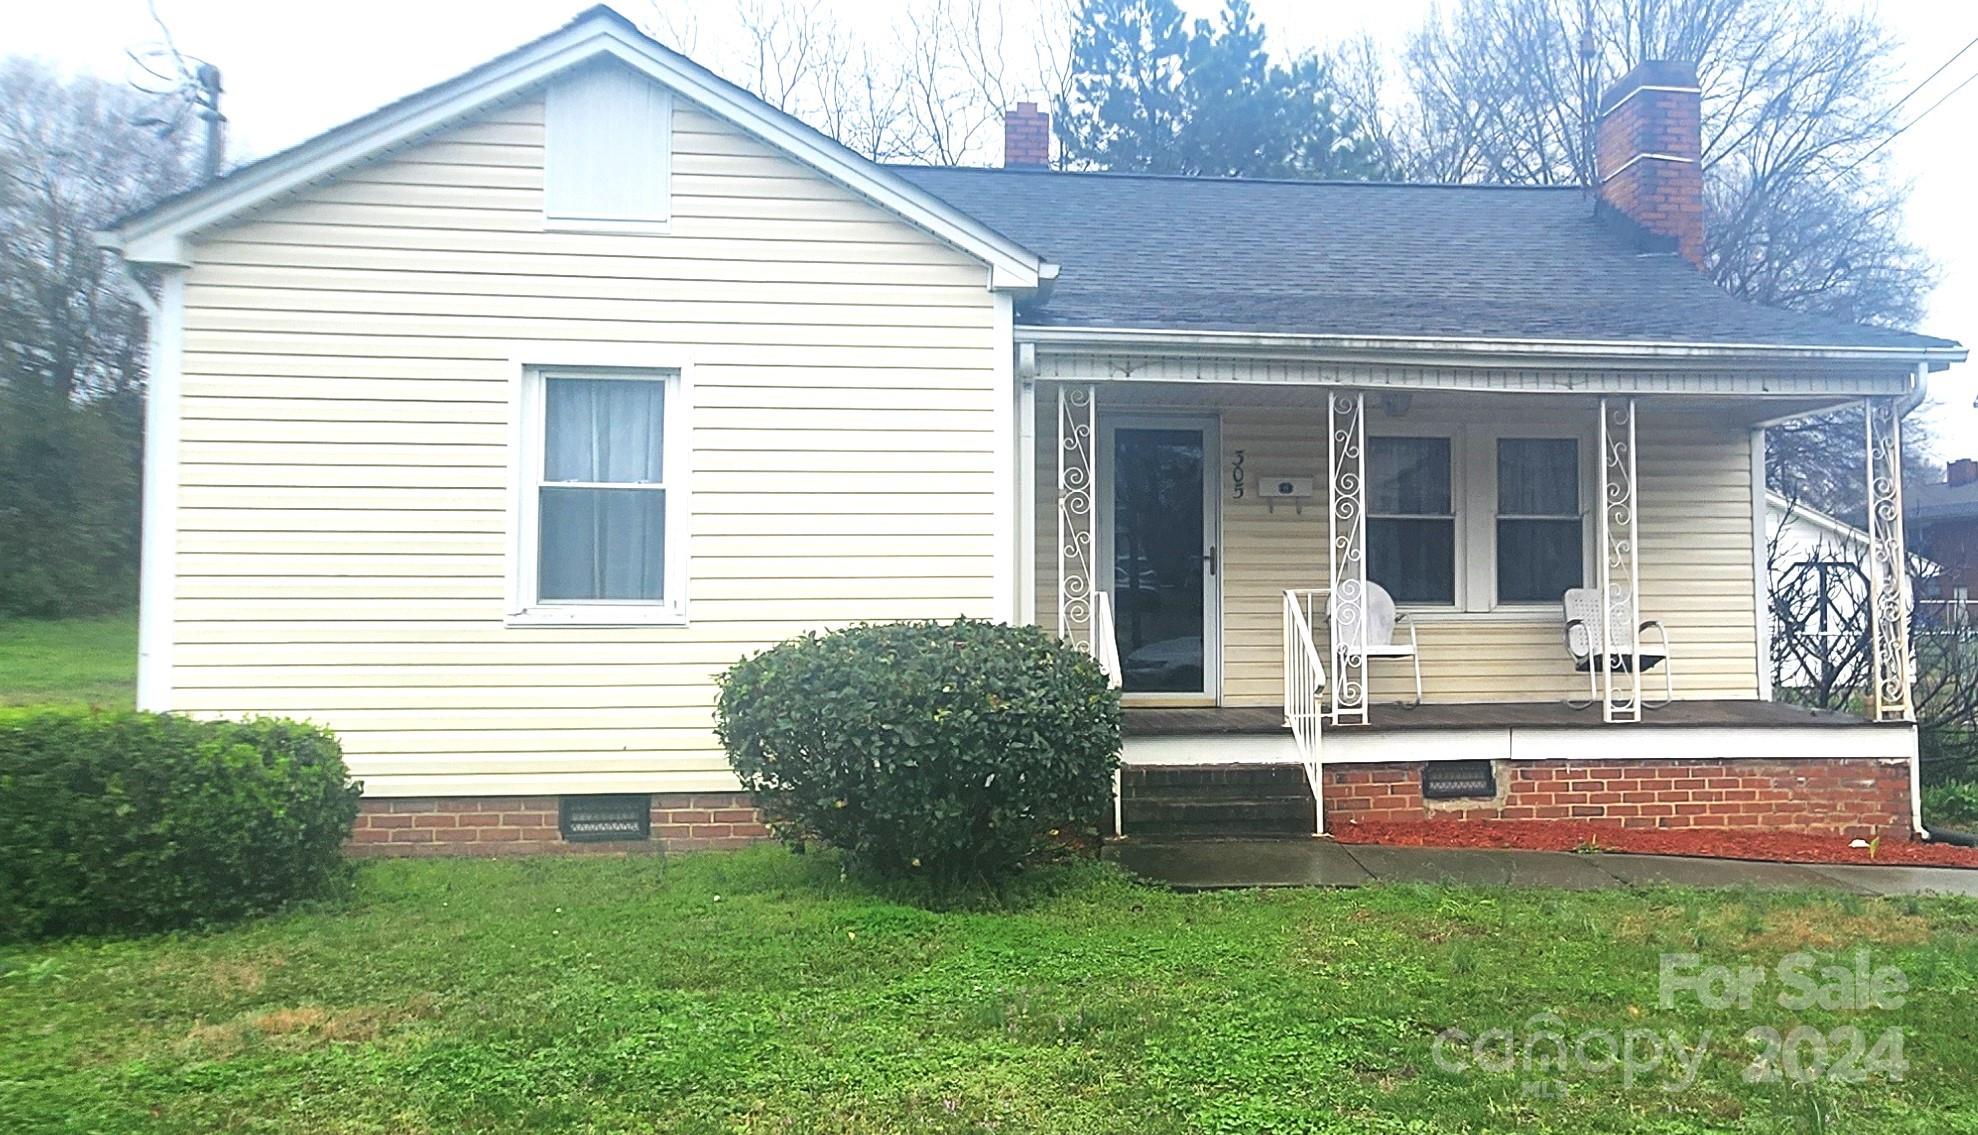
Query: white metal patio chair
{"x": 1586, "y": 642}
{"x": 1381, "y": 622}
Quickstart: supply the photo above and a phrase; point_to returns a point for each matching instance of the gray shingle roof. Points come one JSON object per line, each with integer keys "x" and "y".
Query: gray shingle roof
{"x": 1355, "y": 258}
{"x": 1942, "y": 501}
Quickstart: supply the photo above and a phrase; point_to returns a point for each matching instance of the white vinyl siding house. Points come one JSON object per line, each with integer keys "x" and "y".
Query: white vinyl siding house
{"x": 356, "y": 363}
{"x": 489, "y": 429}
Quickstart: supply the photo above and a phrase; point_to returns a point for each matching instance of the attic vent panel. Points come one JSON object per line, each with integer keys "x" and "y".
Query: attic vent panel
{"x": 608, "y": 151}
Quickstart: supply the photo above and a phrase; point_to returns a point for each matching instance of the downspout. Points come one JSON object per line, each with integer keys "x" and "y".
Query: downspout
{"x": 164, "y": 352}
{"x": 1911, "y": 401}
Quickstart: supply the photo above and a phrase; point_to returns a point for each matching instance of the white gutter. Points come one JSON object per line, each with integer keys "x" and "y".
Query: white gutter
{"x": 1387, "y": 345}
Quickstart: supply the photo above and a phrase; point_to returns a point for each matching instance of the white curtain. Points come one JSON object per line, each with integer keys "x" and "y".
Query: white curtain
{"x": 598, "y": 542}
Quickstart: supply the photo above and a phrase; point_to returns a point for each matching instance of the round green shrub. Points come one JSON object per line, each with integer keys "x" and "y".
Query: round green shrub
{"x": 943, "y": 751}
{"x": 121, "y": 822}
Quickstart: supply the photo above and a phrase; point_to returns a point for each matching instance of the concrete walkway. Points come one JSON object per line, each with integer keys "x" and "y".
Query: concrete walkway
{"x": 1204, "y": 864}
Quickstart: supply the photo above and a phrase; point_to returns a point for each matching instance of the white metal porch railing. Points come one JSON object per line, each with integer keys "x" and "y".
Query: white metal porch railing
{"x": 1304, "y": 682}
{"x": 1105, "y": 647}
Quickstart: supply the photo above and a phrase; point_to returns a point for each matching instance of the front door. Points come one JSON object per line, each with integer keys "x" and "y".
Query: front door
{"x": 1160, "y": 535}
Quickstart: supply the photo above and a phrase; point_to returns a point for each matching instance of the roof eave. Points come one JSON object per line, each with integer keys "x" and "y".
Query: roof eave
{"x": 1486, "y": 351}
{"x": 162, "y": 235}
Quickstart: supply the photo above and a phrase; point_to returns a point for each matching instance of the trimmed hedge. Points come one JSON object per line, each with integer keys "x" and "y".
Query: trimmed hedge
{"x": 942, "y": 751}
{"x": 122, "y": 822}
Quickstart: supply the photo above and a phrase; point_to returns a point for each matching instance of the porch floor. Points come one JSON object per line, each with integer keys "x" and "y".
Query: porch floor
{"x": 1147, "y": 721}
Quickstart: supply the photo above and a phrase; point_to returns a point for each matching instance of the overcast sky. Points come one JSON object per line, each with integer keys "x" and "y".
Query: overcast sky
{"x": 295, "y": 69}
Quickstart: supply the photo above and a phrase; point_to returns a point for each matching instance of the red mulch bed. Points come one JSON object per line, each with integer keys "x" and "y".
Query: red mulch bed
{"x": 1562, "y": 835}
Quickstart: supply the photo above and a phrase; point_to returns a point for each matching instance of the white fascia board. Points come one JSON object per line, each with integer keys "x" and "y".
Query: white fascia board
{"x": 160, "y": 237}
{"x": 1562, "y": 352}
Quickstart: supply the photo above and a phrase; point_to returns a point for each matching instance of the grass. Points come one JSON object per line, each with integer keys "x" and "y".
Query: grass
{"x": 69, "y": 662}
{"x": 757, "y": 991}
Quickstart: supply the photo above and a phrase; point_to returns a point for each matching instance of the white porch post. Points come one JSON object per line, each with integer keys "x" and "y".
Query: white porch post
{"x": 1888, "y": 561}
{"x": 1026, "y": 503}
{"x": 1078, "y": 516}
{"x": 1620, "y": 563}
{"x": 1346, "y": 516}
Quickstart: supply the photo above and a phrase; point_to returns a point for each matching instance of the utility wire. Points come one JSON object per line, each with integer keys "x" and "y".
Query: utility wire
{"x": 1941, "y": 67}
{"x": 1921, "y": 115}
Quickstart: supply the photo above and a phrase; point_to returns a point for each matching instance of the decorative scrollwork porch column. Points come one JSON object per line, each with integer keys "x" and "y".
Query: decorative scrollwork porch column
{"x": 1888, "y": 562}
{"x": 1078, "y": 516}
{"x": 1620, "y": 566}
{"x": 1346, "y": 515}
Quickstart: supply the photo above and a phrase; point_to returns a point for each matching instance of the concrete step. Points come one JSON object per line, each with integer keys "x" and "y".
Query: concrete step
{"x": 1161, "y": 777}
{"x": 1289, "y": 790}
{"x": 1220, "y": 817}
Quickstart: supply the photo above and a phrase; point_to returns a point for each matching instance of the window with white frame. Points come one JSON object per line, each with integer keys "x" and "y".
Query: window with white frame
{"x": 607, "y": 156}
{"x": 601, "y": 523}
{"x": 1411, "y": 518}
{"x": 1474, "y": 519}
{"x": 1541, "y": 551}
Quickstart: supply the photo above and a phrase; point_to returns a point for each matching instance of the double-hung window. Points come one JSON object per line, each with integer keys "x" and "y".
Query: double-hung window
{"x": 1541, "y": 551}
{"x": 1411, "y": 519}
{"x": 1473, "y": 519}
{"x": 601, "y": 523}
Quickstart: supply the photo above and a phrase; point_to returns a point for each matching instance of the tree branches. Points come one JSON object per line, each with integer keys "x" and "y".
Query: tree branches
{"x": 932, "y": 91}
{"x": 1795, "y": 98}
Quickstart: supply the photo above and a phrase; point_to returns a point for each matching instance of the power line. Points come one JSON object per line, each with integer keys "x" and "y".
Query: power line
{"x": 1904, "y": 128}
{"x": 1941, "y": 67}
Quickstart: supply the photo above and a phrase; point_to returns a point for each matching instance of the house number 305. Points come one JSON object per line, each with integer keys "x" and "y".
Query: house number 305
{"x": 1236, "y": 476}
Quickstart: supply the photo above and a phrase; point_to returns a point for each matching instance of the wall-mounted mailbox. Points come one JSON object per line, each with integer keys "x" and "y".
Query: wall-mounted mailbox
{"x": 1286, "y": 488}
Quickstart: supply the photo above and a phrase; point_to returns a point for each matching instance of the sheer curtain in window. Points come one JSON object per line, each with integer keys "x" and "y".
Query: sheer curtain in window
{"x": 603, "y": 503}
{"x": 1540, "y": 553}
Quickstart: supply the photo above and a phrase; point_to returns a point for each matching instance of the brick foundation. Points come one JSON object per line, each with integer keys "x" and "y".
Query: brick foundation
{"x": 1855, "y": 799}
{"x": 527, "y": 825}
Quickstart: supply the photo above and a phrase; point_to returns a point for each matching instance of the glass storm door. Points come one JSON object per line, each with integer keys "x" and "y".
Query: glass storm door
{"x": 1162, "y": 543}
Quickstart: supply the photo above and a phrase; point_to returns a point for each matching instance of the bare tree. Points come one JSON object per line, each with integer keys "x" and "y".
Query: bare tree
{"x": 1796, "y": 97}
{"x": 1823, "y": 649}
{"x": 930, "y": 88}
{"x": 72, "y": 157}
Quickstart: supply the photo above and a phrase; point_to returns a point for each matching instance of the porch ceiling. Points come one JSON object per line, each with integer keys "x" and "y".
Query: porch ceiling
{"x": 1448, "y": 404}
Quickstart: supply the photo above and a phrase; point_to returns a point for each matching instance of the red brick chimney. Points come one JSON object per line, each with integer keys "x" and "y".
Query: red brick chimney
{"x": 1026, "y": 137}
{"x": 1963, "y": 471}
{"x": 1648, "y": 148}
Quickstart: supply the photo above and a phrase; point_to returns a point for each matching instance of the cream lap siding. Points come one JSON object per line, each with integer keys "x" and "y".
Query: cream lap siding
{"x": 1696, "y": 564}
{"x": 345, "y": 466}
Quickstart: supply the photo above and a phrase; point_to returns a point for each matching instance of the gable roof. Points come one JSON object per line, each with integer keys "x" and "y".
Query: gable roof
{"x": 1369, "y": 260}
{"x": 1942, "y": 500}
{"x": 157, "y": 234}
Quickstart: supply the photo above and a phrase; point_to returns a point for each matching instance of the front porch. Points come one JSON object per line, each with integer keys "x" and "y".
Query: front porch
{"x": 1698, "y": 763}
{"x": 1224, "y": 547}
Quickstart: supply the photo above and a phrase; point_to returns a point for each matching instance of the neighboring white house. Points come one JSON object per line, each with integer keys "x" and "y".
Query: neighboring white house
{"x": 487, "y": 429}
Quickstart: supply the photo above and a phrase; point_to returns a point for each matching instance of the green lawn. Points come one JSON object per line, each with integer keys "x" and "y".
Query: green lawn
{"x": 69, "y": 661}
{"x": 757, "y": 991}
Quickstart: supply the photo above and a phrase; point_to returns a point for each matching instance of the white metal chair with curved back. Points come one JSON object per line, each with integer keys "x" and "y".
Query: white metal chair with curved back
{"x": 1381, "y": 622}
{"x": 1586, "y": 638}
